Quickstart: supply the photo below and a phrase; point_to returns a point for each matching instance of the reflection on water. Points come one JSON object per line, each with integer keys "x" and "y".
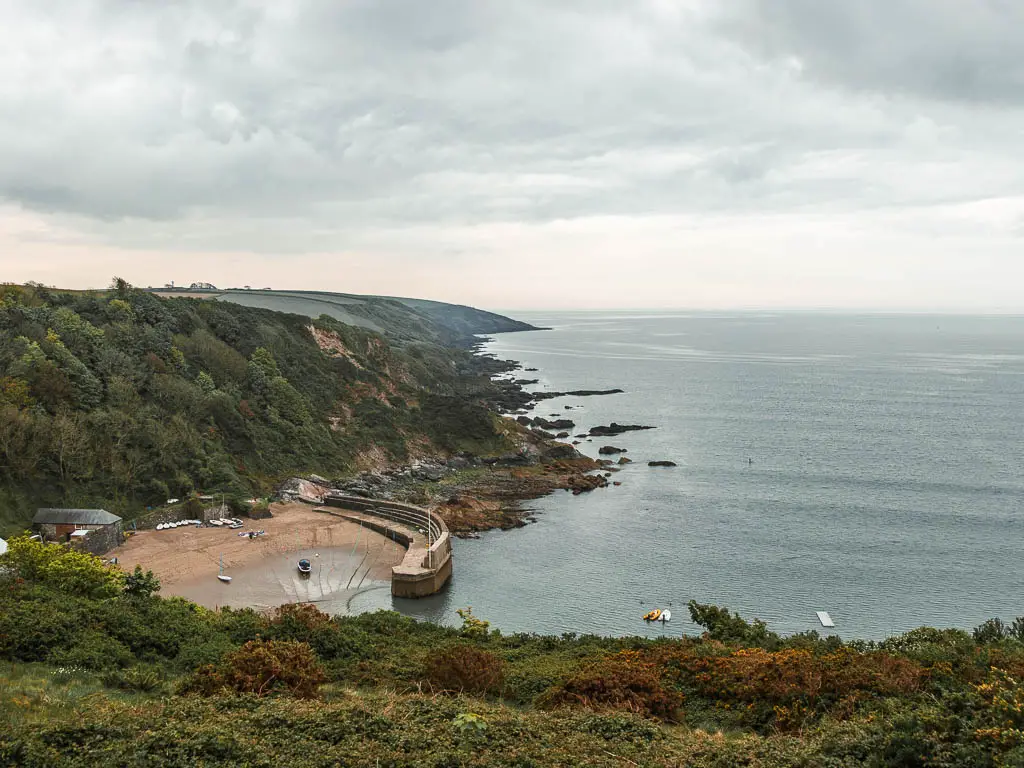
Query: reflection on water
{"x": 338, "y": 575}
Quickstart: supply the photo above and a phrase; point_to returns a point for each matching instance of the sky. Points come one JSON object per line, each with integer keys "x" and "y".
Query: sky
{"x": 530, "y": 154}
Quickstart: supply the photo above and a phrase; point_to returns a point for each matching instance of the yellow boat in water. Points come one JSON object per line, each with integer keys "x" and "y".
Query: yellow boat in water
{"x": 653, "y": 615}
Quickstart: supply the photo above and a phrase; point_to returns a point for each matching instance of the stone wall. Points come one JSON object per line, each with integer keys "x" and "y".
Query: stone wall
{"x": 161, "y": 515}
{"x": 424, "y": 570}
{"x": 102, "y": 540}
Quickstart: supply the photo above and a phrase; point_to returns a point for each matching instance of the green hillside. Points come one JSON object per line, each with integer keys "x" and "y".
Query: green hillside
{"x": 95, "y": 669}
{"x": 122, "y": 399}
{"x": 400, "y": 319}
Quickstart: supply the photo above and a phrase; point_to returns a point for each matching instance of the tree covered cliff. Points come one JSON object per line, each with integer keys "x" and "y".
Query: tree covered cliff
{"x": 121, "y": 398}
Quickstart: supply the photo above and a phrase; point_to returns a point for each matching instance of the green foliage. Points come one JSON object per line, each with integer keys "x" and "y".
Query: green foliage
{"x": 723, "y": 625}
{"x": 141, "y": 583}
{"x": 205, "y": 383}
{"x": 93, "y": 650}
{"x": 121, "y": 399}
{"x": 471, "y": 625}
{"x": 470, "y": 724}
{"x": 146, "y": 678}
{"x": 928, "y": 697}
{"x": 71, "y": 571}
{"x": 15, "y": 392}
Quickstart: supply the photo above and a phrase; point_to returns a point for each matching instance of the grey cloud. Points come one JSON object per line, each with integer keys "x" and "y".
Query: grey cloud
{"x": 969, "y": 51}
{"x": 303, "y": 125}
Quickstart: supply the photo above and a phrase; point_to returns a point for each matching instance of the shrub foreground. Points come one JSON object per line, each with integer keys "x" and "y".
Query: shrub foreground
{"x": 101, "y": 671}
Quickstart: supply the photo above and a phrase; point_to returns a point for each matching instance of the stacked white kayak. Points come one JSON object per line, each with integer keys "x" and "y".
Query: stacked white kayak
{"x": 178, "y": 524}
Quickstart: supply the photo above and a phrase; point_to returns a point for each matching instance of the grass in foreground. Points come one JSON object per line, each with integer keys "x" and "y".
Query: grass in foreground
{"x": 100, "y": 670}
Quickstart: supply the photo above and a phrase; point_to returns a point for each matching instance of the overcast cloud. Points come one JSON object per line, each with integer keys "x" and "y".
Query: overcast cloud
{"x": 670, "y": 153}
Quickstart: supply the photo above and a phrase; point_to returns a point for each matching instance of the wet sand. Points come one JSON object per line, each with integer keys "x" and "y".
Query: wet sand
{"x": 347, "y": 559}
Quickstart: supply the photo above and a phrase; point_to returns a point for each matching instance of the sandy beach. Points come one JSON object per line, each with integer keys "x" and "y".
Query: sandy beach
{"x": 346, "y": 558}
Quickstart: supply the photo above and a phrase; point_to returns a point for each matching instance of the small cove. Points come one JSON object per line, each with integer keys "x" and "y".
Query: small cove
{"x": 869, "y": 466}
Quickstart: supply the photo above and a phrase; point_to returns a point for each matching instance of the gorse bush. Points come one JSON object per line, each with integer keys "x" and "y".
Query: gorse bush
{"x": 785, "y": 688}
{"x": 463, "y": 668}
{"x": 262, "y": 668}
{"x": 626, "y": 680}
{"x": 928, "y": 697}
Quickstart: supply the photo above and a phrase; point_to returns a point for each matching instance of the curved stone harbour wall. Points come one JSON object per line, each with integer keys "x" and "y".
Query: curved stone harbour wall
{"x": 427, "y": 565}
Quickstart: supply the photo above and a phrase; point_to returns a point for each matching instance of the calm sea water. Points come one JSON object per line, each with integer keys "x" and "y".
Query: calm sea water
{"x": 886, "y": 483}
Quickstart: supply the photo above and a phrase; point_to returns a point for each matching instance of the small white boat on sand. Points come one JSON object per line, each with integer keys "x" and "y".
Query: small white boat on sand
{"x": 226, "y": 579}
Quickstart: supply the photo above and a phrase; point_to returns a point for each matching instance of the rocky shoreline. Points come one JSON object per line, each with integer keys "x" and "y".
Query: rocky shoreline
{"x": 472, "y": 494}
{"x": 478, "y": 493}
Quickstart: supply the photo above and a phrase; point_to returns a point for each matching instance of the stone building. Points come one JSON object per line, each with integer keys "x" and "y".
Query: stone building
{"x": 95, "y": 530}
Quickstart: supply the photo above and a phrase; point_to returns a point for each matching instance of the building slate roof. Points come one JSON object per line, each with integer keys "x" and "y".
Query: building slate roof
{"x": 74, "y": 517}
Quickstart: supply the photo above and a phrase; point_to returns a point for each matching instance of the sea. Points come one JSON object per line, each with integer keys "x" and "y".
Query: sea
{"x": 870, "y": 466}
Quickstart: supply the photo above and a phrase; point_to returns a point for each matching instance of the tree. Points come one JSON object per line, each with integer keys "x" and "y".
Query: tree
{"x": 141, "y": 583}
{"x": 15, "y": 392}
{"x": 264, "y": 360}
{"x": 205, "y": 382}
{"x": 120, "y": 286}
{"x": 70, "y": 445}
{"x": 120, "y": 311}
{"x": 992, "y": 631}
{"x": 723, "y": 625}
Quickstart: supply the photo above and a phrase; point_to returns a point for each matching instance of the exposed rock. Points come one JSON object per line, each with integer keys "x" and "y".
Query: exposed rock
{"x": 661, "y": 464}
{"x": 303, "y": 490}
{"x": 556, "y": 424}
{"x": 525, "y": 420}
{"x": 513, "y": 460}
{"x": 615, "y": 429}
{"x": 257, "y": 513}
{"x": 562, "y": 435}
{"x": 433, "y": 474}
{"x": 624, "y": 460}
{"x": 583, "y": 483}
{"x": 608, "y": 450}
{"x": 459, "y": 462}
{"x": 542, "y": 434}
{"x": 318, "y": 480}
{"x": 525, "y": 382}
{"x": 575, "y": 393}
{"x": 560, "y": 451}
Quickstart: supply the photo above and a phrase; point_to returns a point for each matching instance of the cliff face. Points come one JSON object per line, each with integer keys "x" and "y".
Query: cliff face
{"x": 124, "y": 399}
